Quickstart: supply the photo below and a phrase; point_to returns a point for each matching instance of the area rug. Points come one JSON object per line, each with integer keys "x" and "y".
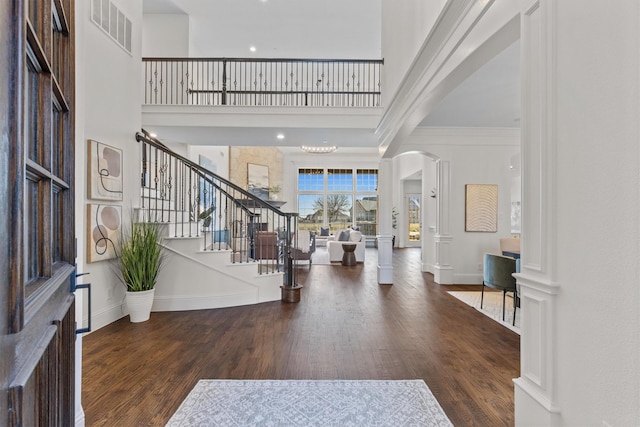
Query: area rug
{"x": 492, "y": 306}
{"x": 310, "y": 403}
{"x": 321, "y": 256}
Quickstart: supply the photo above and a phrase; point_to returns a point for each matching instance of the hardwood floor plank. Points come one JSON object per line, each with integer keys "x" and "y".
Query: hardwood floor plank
{"x": 345, "y": 327}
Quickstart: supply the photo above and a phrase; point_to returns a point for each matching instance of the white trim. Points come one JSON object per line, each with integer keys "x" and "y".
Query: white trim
{"x": 438, "y": 67}
{"x": 467, "y": 278}
{"x": 534, "y": 393}
{"x": 202, "y": 302}
{"x": 443, "y": 275}
{"x": 269, "y": 117}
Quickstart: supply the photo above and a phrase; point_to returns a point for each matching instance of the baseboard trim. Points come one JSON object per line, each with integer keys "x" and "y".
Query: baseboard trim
{"x": 107, "y": 316}
{"x": 204, "y": 302}
{"x": 79, "y": 420}
{"x": 468, "y": 279}
{"x": 443, "y": 275}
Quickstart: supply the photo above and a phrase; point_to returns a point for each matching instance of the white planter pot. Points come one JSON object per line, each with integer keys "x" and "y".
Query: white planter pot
{"x": 139, "y": 305}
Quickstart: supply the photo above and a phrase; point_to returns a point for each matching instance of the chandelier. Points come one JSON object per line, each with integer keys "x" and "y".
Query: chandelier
{"x": 318, "y": 149}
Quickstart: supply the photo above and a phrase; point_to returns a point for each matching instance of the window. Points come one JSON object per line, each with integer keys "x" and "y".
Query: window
{"x": 311, "y": 179}
{"x": 366, "y": 207}
{"x": 339, "y": 180}
{"x": 339, "y": 198}
{"x": 47, "y": 144}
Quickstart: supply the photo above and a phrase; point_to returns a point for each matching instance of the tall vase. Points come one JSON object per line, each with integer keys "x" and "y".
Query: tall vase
{"x": 139, "y": 305}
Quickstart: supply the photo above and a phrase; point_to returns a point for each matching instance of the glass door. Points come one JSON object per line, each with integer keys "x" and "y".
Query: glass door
{"x": 414, "y": 219}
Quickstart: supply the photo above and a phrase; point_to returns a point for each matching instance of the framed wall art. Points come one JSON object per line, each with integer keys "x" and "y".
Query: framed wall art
{"x": 104, "y": 171}
{"x": 103, "y": 231}
{"x": 258, "y": 180}
{"x": 481, "y": 208}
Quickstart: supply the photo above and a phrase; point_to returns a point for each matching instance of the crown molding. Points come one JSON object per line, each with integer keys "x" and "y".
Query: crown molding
{"x": 447, "y": 57}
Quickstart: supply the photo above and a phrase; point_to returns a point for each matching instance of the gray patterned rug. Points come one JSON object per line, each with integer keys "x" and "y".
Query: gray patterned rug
{"x": 310, "y": 403}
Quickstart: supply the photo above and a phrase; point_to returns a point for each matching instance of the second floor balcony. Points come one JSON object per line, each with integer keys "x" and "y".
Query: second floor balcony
{"x": 263, "y": 82}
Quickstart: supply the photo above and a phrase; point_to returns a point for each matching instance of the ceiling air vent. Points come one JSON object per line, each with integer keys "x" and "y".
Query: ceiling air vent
{"x": 113, "y": 22}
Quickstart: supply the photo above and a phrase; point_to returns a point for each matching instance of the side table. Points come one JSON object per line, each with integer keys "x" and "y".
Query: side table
{"x": 349, "y": 256}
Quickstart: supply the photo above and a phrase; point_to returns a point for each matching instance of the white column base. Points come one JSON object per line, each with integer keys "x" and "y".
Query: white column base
{"x": 385, "y": 259}
{"x": 532, "y": 410}
{"x": 385, "y": 275}
{"x": 443, "y": 275}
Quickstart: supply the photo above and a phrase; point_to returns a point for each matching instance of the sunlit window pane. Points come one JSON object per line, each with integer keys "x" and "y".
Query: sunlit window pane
{"x": 366, "y": 214}
{"x": 310, "y": 179}
{"x": 339, "y": 207}
{"x": 326, "y": 198}
{"x": 340, "y": 180}
{"x": 367, "y": 180}
{"x": 311, "y": 210}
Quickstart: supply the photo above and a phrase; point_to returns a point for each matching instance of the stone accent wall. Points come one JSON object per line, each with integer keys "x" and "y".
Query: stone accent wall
{"x": 239, "y": 157}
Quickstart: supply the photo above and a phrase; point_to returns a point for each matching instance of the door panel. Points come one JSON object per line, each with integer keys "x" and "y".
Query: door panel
{"x": 414, "y": 219}
{"x": 37, "y": 311}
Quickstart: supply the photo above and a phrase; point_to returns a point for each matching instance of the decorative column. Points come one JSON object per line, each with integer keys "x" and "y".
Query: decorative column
{"x": 536, "y": 389}
{"x": 442, "y": 270}
{"x": 385, "y": 207}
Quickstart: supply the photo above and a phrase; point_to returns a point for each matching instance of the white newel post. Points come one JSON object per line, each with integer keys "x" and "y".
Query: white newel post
{"x": 385, "y": 238}
{"x": 443, "y": 271}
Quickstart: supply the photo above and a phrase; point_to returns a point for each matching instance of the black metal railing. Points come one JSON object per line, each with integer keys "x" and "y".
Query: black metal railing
{"x": 263, "y": 82}
{"x": 195, "y": 202}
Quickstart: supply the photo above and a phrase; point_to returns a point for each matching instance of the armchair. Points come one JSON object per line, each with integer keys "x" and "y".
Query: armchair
{"x": 303, "y": 246}
{"x": 266, "y": 245}
{"x": 498, "y": 274}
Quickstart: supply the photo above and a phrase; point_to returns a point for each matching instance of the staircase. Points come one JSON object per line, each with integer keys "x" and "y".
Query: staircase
{"x": 213, "y": 258}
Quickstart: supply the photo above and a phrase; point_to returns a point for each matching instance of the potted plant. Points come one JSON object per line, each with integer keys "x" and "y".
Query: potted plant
{"x": 206, "y": 216}
{"x": 139, "y": 257}
{"x": 394, "y": 224}
{"x": 274, "y": 191}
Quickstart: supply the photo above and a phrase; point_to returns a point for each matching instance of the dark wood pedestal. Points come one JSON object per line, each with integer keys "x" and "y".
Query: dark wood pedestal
{"x": 349, "y": 256}
{"x": 291, "y": 293}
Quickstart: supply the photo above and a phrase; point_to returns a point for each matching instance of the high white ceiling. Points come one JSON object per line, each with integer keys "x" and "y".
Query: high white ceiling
{"x": 488, "y": 98}
{"x": 279, "y": 28}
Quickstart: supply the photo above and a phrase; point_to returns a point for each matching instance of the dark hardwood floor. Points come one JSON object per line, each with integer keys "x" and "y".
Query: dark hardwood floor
{"x": 345, "y": 327}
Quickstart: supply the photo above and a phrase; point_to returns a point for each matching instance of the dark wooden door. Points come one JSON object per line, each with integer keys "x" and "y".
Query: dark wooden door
{"x": 37, "y": 255}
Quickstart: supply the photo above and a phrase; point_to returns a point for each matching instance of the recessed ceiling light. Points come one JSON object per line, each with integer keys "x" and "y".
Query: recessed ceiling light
{"x": 252, "y": 48}
{"x": 280, "y": 136}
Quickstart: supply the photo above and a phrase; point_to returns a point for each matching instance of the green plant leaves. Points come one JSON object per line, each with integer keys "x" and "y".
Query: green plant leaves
{"x": 140, "y": 256}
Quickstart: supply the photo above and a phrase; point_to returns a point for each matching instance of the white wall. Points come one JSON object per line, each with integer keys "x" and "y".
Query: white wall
{"x": 219, "y": 155}
{"x": 272, "y": 27}
{"x": 165, "y": 35}
{"x": 109, "y": 111}
{"x": 405, "y": 26}
{"x": 476, "y": 156}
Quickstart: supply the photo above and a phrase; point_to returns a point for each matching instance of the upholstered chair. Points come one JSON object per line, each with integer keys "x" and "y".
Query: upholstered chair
{"x": 498, "y": 274}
